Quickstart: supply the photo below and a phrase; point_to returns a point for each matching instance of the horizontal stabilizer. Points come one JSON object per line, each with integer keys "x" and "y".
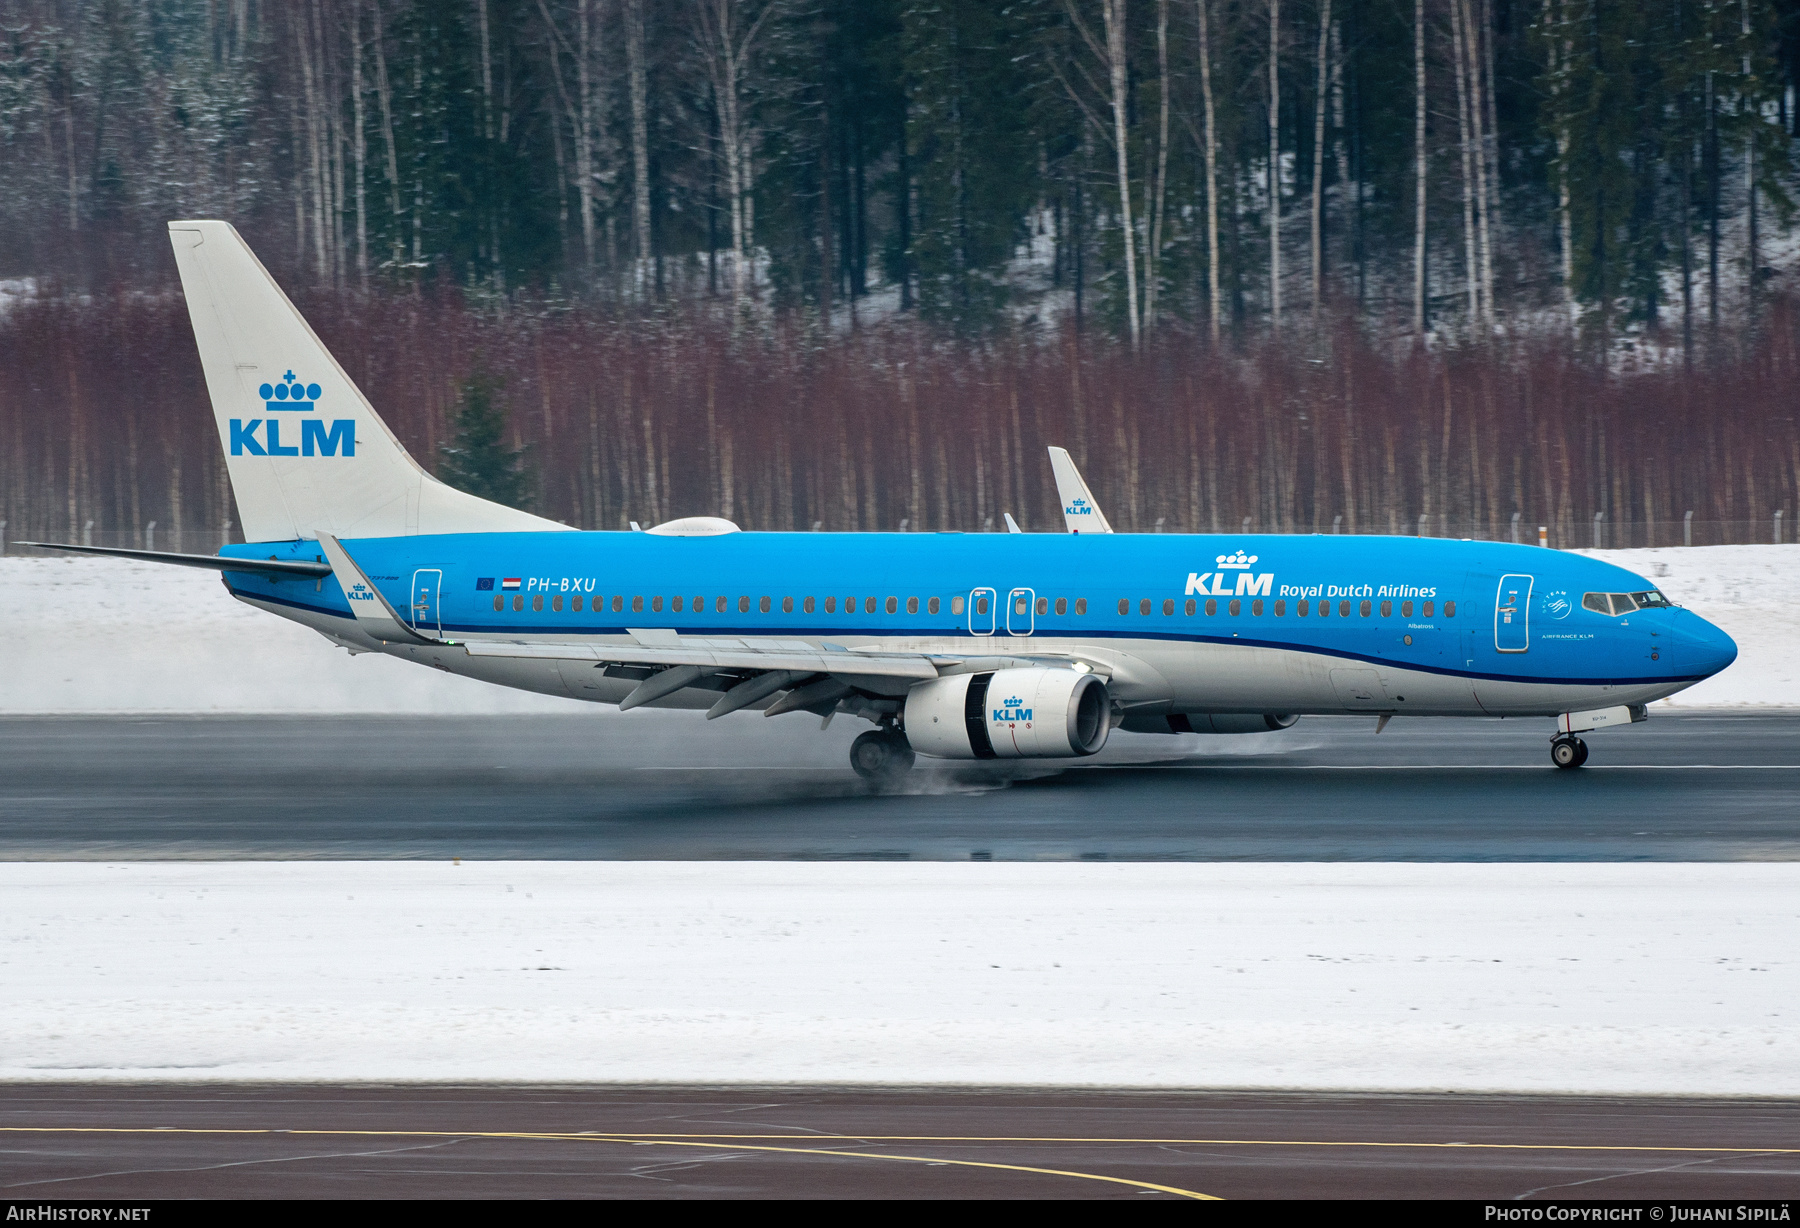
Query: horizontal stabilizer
{"x": 213, "y": 562}
{"x": 1079, "y": 509}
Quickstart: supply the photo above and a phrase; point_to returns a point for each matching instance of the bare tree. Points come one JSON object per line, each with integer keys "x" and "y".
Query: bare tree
{"x": 638, "y": 88}
{"x": 726, "y": 32}
{"x": 1153, "y": 250}
{"x": 1459, "y": 45}
{"x": 1275, "y": 162}
{"x": 1318, "y": 166}
{"x": 1212, "y": 169}
{"x": 1419, "y": 168}
{"x": 1109, "y": 50}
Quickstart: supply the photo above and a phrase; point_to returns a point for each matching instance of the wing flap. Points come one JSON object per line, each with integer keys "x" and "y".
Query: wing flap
{"x": 813, "y": 661}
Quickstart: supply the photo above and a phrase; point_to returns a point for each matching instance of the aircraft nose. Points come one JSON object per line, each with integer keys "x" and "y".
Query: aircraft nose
{"x": 1709, "y": 649}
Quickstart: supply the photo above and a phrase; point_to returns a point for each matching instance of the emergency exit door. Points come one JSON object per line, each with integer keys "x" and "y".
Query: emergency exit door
{"x": 1512, "y": 614}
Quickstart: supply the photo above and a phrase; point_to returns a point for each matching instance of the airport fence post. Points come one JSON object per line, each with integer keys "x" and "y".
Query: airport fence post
{"x": 1544, "y": 536}
{"x": 2, "y": 537}
{"x": 87, "y": 533}
{"x": 1687, "y": 529}
{"x": 1778, "y": 528}
{"x": 1598, "y": 518}
{"x": 1423, "y": 523}
{"x": 1161, "y": 520}
{"x": 817, "y": 525}
{"x": 1337, "y": 524}
{"x": 225, "y": 534}
{"x": 1246, "y": 524}
{"x": 150, "y": 536}
{"x": 1515, "y": 528}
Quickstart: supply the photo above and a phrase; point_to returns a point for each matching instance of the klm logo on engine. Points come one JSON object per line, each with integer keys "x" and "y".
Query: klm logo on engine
{"x": 1011, "y": 710}
{"x": 317, "y": 438}
{"x": 1232, "y": 579}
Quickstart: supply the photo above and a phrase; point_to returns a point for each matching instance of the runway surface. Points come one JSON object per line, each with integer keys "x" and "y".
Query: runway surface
{"x": 224, "y": 1141}
{"x": 671, "y": 786}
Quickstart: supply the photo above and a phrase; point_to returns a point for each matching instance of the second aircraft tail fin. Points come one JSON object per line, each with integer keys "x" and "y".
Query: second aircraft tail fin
{"x": 1079, "y": 509}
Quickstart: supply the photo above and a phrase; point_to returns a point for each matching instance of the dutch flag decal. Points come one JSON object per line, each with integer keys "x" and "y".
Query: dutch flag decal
{"x": 509, "y": 582}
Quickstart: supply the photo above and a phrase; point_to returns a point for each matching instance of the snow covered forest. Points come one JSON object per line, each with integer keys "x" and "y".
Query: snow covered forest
{"x": 1386, "y": 265}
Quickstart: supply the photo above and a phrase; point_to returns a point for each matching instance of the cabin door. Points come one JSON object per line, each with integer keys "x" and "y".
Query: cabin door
{"x": 982, "y": 612}
{"x": 1021, "y": 614}
{"x": 426, "y": 586}
{"x": 1512, "y": 614}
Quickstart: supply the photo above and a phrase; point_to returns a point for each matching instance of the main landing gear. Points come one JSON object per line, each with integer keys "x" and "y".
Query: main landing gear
{"x": 881, "y": 755}
{"x": 1566, "y": 751}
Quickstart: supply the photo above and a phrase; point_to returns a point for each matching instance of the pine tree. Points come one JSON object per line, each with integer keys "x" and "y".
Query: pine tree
{"x": 478, "y": 460}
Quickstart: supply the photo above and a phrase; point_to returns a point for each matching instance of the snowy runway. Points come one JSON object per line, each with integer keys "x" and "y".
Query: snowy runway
{"x": 1589, "y": 977}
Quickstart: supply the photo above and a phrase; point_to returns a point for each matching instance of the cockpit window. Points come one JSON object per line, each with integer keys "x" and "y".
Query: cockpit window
{"x": 1622, "y": 603}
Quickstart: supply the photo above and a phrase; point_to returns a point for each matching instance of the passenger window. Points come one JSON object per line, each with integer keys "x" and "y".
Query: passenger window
{"x": 1387, "y": 609}
{"x": 519, "y": 603}
{"x": 1449, "y": 609}
{"x": 1343, "y": 609}
{"x": 787, "y": 605}
{"x": 1303, "y": 608}
{"x": 576, "y": 604}
{"x": 722, "y": 604}
{"x": 912, "y": 605}
{"x": 656, "y": 603}
{"x": 499, "y": 602}
{"x": 1256, "y": 608}
{"x": 981, "y": 605}
{"x": 1324, "y": 609}
{"x": 1406, "y": 609}
{"x": 1368, "y": 608}
{"x": 1062, "y": 605}
{"x": 699, "y": 605}
{"x": 1191, "y": 607}
{"x": 893, "y": 605}
{"x": 1428, "y": 608}
{"x": 1043, "y": 605}
{"x": 1081, "y": 605}
{"x": 537, "y": 603}
{"x": 1236, "y": 607}
{"x": 1168, "y": 606}
{"x": 637, "y": 605}
{"x": 1212, "y": 608}
{"x": 931, "y": 606}
{"x": 676, "y": 603}
{"x": 1144, "y": 605}
{"x": 618, "y": 602}
{"x": 743, "y": 605}
{"x": 1124, "y": 606}
{"x": 869, "y": 605}
{"x": 956, "y": 605}
{"x": 556, "y": 603}
{"x": 831, "y": 605}
{"x": 808, "y": 606}
{"x": 1281, "y": 609}
{"x": 763, "y": 605}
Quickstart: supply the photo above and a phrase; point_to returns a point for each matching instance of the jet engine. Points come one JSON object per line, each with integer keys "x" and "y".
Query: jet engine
{"x": 1009, "y": 714}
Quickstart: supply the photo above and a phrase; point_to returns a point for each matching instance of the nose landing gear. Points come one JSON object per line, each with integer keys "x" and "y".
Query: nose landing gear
{"x": 1566, "y": 751}
{"x": 881, "y": 755}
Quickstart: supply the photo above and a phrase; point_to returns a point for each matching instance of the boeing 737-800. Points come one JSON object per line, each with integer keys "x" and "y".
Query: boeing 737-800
{"x": 960, "y": 646}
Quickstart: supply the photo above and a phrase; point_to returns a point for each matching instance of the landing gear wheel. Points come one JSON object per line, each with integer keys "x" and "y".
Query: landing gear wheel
{"x": 881, "y": 755}
{"x": 1568, "y": 751}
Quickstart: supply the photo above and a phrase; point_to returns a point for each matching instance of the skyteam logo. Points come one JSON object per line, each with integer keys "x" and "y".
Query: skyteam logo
{"x": 1247, "y": 584}
{"x": 1012, "y": 709}
{"x": 336, "y": 438}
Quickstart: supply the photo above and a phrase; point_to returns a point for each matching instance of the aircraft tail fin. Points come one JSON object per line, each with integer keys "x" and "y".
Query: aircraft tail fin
{"x": 1079, "y": 509}
{"x": 305, "y": 450}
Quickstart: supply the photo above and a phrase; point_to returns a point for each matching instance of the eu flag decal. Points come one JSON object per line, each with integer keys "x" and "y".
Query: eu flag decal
{"x": 485, "y": 584}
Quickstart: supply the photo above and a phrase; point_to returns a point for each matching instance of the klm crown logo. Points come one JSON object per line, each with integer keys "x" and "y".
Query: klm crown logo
{"x": 317, "y": 438}
{"x": 1012, "y": 709}
{"x": 1236, "y": 562}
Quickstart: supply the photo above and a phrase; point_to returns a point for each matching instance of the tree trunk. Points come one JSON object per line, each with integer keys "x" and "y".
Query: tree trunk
{"x": 1459, "y": 46}
{"x": 384, "y": 94}
{"x": 361, "y": 147}
{"x": 1275, "y": 162}
{"x": 1318, "y": 166}
{"x": 640, "y": 138}
{"x": 1113, "y": 11}
{"x": 1153, "y": 252}
{"x": 1472, "y": 46}
{"x": 1212, "y": 172}
{"x": 1419, "y": 168}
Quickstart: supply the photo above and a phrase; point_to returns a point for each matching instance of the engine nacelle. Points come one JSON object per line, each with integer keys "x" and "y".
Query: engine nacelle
{"x": 1204, "y": 722}
{"x": 1009, "y": 714}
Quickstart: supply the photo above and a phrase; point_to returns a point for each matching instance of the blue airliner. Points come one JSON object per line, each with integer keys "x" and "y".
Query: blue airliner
{"x": 959, "y": 646}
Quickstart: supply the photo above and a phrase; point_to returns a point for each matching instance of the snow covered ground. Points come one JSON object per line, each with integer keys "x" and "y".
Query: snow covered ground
{"x": 1603, "y": 978}
{"x": 105, "y": 635}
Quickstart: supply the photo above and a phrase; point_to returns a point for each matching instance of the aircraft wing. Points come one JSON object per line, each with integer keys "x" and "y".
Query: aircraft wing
{"x": 1079, "y": 509}
{"x": 723, "y": 654}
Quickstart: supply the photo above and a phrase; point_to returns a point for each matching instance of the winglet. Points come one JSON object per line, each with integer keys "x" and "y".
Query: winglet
{"x": 373, "y": 613}
{"x": 1079, "y": 509}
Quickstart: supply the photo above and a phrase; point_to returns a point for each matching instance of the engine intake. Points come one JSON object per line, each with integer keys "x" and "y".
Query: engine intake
{"x": 1009, "y": 714}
